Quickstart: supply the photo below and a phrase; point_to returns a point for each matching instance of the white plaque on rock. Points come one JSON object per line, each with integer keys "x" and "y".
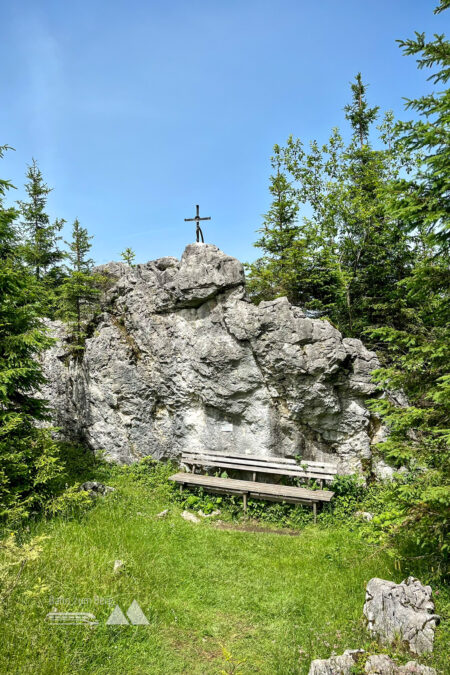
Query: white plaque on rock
{"x": 226, "y": 426}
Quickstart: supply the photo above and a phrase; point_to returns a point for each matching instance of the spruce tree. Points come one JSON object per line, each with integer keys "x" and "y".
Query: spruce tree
{"x": 22, "y": 336}
{"x": 8, "y": 228}
{"x": 80, "y": 290}
{"x": 374, "y": 248}
{"x": 128, "y": 256}
{"x": 416, "y": 359}
{"x": 358, "y": 111}
{"x": 347, "y": 255}
{"x": 424, "y": 199}
{"x": 275, "y": 273}
{"x": 28, "y": 456}
{"x": 41, "y": 250}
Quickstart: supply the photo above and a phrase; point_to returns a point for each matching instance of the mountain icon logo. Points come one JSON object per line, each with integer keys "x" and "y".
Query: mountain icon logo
{"x": 135, "y": 615}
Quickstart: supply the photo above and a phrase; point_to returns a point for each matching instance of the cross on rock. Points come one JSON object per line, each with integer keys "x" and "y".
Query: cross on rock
{"x": 197, "y": 219}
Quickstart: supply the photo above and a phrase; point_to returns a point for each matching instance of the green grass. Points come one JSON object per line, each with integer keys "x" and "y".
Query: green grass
{"x": 274, "y": 602}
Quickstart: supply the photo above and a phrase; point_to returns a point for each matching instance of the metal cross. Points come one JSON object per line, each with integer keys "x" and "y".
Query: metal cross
{"x": 197, "y": 219}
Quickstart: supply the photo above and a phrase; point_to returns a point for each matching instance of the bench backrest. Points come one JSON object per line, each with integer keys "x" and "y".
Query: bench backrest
{"x": 275, "y": 465}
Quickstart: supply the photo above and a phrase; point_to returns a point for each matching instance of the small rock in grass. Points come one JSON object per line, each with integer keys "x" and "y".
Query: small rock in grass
{"x": 413, "y": 667}
{"x": 381, "y": 664}
{"x": 365, "y": 515}
{"x": 337, "y": 665}
{"x": 209, "y": 515}
{"x": 163, "y": 514}
{"x": 119, "y": 566}
{"x": 402, "y": 611}
{"x": 377, "y": 664}
{"x": 190, "y": 517}
{"x": 96, "y": 489}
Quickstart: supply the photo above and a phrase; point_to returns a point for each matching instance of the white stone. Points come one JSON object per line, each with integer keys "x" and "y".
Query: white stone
{"x": 190, "y": 517}
{"x": 214, "y": 513}
{"x": 364, "y": 515}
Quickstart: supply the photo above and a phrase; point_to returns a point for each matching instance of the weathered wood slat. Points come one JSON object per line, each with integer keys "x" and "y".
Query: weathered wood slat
{"x": 331, "y": 468}
{"x": 249, "y": 463}
{"x": 260, "y": 468}
{"x": 255, "y": 488}
{"x": 247, "y": 459}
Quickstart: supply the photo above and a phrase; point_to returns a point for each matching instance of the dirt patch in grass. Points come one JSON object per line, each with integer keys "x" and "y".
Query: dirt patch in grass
{"x": 253, "y": 526}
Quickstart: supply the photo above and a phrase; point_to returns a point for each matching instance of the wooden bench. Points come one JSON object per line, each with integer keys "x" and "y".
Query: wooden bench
{"x": 284, "y": 466}
{"x": 253, "y": 488}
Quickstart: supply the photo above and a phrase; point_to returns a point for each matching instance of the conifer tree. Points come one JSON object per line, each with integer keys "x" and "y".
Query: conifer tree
{"x": 41, "y": 250}
{"x": 345, "y": 258}
{"x": 374, "y": 247}
{"x": 8, "y": 229}
{"x": 27, "y": 453}
{"x": 424, "y": 199}
{"x": 128, "y": 256}
{"x": 22, "y": 336}
{"x": 80, "y": 290}
{"x": 416, "y": 359}
{"x": 275, "y": 273}
{"x": 358, "y": 112}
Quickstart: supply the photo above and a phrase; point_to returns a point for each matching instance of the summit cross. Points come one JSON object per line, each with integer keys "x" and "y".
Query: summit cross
{"x": 197, "y": 220}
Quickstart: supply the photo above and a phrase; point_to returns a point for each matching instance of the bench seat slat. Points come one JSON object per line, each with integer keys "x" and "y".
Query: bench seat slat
{"x": 202, "y": 458}
{"x": 248, "y": 461}
{"x": 265, "y": 459}
{"x": 264, "y": 469}
{"x": 252, "y": 487}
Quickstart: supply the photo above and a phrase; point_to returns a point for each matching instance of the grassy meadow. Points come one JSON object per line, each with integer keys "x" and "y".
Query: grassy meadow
{"x": 217, "y": 600}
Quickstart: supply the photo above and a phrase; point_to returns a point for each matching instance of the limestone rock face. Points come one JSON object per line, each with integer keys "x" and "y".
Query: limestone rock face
{"x": 180, "y": 358}
{"x": 401, "y": 611}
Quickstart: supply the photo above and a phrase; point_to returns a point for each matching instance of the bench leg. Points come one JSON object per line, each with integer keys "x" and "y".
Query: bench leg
{"x": 244, "y": 497}
{"x": 254, "y": 476}
{"x": 315, "y": 511}
{"x": 181, "y": 488}
{"x": 321, "y": 484}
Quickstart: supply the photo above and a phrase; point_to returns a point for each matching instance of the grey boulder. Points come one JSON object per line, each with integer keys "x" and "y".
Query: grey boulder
{"x": 401, "y": 611}
{"x": 337, "y": 665}
{"x": 377, "y": 664}
{"x": 381, "y": 664}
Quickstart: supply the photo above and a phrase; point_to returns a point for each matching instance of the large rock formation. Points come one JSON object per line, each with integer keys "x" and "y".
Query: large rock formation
{"x": 180, "y": 358}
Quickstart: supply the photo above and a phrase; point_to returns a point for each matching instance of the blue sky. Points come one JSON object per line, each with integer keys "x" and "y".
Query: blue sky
{"x": 137, "y": 110}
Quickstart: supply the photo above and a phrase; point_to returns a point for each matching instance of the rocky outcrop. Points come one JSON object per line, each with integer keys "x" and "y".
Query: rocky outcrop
{"x": 401, "y": 612}
{"x": 381, "y": 664}
{"x": 378, "y": 664}
{"x": 337, "y": 665}
{"x": 179, "y": 358}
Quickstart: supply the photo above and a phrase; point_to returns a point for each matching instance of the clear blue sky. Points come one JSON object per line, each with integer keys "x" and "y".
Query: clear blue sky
{"x": 137, "y": 110}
